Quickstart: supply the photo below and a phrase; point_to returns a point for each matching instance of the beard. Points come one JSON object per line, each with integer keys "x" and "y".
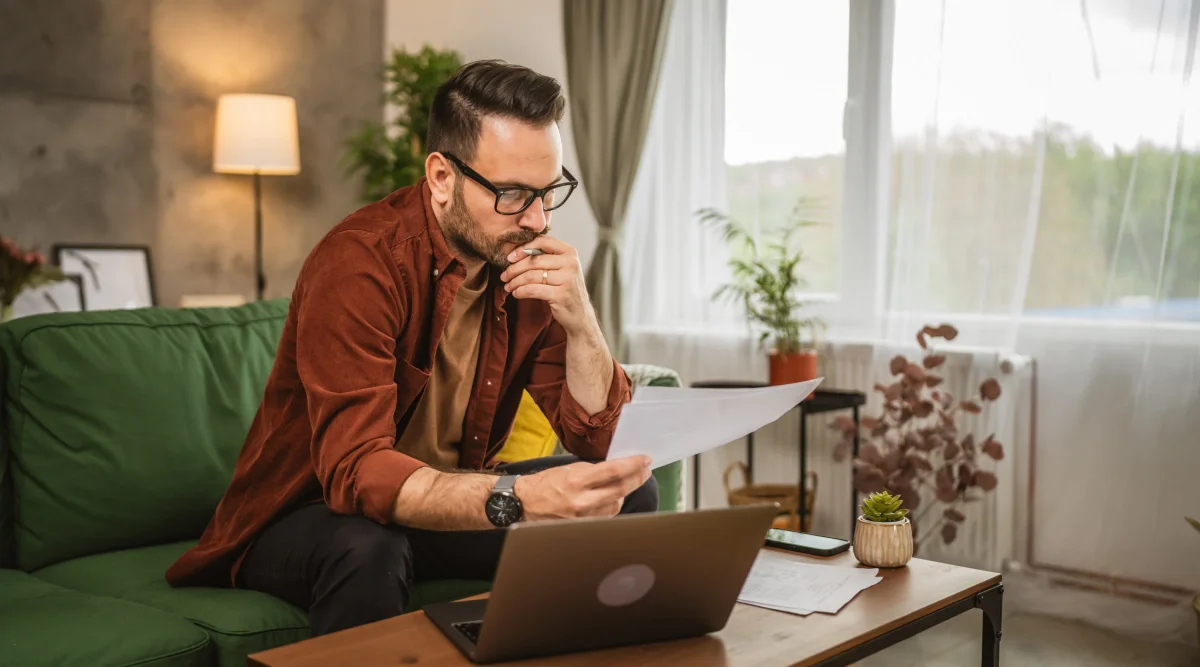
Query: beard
{"x": 468, "y": 238}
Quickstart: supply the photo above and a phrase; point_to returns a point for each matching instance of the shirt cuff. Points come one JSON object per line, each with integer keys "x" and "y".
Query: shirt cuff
{"x": 576, "y": 419}
{"x": 377, "y": 485}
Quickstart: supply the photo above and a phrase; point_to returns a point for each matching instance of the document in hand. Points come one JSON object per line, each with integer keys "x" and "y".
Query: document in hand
{"x": 672, "y": 423}
{"x": 783, "y": 582}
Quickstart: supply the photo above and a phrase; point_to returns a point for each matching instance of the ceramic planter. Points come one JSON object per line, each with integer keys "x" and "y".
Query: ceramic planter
{"x": 791, "y": 368}
{"x": 879, "y": 544}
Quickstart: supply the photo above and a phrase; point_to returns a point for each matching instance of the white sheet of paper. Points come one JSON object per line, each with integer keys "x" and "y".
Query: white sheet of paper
{"x": 672, "y": 423}
{"x": 781, "y": 583}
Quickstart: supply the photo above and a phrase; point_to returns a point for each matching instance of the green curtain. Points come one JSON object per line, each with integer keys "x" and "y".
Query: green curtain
{"x": 614, "y": 54}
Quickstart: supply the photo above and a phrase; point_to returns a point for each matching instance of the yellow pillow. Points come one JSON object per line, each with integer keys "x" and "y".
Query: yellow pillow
{"x": 531, "y": 437}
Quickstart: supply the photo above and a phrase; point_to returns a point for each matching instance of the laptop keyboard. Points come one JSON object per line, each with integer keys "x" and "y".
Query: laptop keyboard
{"x": 470, "y": 630}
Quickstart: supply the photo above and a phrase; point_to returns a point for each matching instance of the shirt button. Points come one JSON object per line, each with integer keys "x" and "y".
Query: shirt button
{"x": 497, "y": 318}
{"x": 435, "y": 272}
{"x": 489, "y": 383}
{"x": 476, "y": 438}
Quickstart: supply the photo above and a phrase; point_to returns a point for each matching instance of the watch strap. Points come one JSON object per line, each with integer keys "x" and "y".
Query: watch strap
{"x": 506, "y": 483}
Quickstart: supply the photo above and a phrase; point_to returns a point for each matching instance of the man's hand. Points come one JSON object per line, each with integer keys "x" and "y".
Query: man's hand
{"x": 555, "y": 277}
{"x": 581, "y": 489}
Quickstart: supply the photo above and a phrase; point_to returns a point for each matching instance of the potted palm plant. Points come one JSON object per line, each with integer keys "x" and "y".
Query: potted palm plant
{"x": 766, "y": 284}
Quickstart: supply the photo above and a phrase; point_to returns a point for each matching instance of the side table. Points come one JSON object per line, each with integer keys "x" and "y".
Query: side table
{"x": 823, "y": 400}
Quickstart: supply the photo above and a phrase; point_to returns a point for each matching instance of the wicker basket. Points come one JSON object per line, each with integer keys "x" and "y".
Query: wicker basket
{"x": 785, "y": 495}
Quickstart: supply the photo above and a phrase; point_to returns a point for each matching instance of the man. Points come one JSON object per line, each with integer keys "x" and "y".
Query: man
{"x": 414, "y": 326}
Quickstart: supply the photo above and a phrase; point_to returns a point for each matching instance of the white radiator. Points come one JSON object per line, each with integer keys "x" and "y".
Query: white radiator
{"x": 993, "y": 532}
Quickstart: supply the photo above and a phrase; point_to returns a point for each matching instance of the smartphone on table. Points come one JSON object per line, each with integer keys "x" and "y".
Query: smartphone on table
{"x": 813, "y": 545}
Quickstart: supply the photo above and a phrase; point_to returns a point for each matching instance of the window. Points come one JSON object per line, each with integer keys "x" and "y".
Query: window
{"x": 1044, "y": 159}
{"x": 785, "y": 87}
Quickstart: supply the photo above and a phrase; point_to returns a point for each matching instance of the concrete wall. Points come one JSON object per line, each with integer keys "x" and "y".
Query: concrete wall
{"x": 527, "y": 32}
{"x": 106, "y": 122}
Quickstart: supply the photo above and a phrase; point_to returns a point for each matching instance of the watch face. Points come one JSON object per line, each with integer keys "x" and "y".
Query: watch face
{"x": 503, "y": 509}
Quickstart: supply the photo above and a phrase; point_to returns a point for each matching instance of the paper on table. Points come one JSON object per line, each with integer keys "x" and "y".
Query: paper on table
{"x": 780, "y": 583}
{"x": 670, "y": 424}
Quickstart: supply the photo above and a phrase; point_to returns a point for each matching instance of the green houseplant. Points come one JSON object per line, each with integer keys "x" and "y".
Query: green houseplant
{"x": 883, "y": 535}
{"x": 21, "y": 270}
{"x": 392, "y": 156}
{"x": 766, "y": 285}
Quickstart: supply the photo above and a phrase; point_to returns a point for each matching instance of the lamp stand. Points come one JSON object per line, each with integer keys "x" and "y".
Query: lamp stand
{"x": 260, "y": 278}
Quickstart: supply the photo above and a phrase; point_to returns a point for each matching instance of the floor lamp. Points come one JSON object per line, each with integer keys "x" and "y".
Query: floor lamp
{"x": 256, "y": 135}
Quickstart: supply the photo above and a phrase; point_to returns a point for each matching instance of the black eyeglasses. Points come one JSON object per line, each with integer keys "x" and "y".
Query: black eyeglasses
{"x": 513, "y": 200}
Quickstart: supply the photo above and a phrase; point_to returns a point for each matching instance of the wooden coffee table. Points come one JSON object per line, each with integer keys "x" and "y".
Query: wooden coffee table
{"x": 908, "y": 601}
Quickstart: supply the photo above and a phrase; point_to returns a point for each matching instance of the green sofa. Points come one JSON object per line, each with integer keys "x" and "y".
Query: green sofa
{"x": 118, "y": 435}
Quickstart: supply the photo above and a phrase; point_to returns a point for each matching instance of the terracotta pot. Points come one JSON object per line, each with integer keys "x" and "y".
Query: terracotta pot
{"x": 879, "y": 544}
{"x": 795, "y": 367}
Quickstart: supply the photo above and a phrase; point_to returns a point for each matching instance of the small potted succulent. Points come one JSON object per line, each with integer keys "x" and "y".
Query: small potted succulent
{"x": 883, "y": 536}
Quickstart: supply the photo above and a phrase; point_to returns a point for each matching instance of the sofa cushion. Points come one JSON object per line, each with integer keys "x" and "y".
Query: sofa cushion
{"x": 123, "y": 427}
{"x": 43, "y": 624}
{"x": 238, "y": 621}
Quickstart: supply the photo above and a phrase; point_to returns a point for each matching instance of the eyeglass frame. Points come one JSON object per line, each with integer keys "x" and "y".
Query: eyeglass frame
{"x": 538, "y": 193}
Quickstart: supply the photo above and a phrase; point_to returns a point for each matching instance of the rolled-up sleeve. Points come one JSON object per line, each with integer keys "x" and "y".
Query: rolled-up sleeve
{"x": 349, "y": 313}
{"x": 586, "y": 436}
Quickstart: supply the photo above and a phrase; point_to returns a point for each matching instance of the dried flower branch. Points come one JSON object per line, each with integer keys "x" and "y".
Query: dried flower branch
{"x": 913, "y": 446}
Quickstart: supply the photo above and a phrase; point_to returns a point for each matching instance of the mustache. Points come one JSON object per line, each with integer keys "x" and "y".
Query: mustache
{"x": 519, "y": 238}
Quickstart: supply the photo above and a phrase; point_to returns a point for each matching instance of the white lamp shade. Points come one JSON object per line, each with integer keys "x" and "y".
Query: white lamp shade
{"x": 256, "y": 133}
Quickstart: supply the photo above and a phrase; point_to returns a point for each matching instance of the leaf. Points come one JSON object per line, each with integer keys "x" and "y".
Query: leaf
{"x": 870, "y": 453}
{"x": 918, "y": 461}
{"x": 914, "y": 373}
{"x": 841, "y": 451}
{"x": 933, "y": 361}
{"x": 869, "y": 422}
{"x": 881, "y": 388}
{"x": 951, "y": 452}
{"x": 1195, "y": 523}
{"x": 947, "y": 495}
{"x": 844, "y": 423}
{"x": 894, "y": 391}
{"x": 989, "y": 390}
{"x": 971, "y": 406}
{"x": 899, "y": 363}
{"x": 954, "y": 515}
{"x": 949, "y": 532}
{"x": 947, "y": 332}
{"x": 993, "y": 449}
{"x": 985, "y": 480}
{"x": 923, "y": 409}
{"x": 968, "y": 444}
{"x": 933, "y": 380}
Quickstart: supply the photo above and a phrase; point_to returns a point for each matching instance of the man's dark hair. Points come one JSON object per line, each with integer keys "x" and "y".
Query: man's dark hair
{"x": 489, "y": 88}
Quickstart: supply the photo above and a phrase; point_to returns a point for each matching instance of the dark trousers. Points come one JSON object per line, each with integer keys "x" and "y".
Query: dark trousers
{"x": 348, "y": 570}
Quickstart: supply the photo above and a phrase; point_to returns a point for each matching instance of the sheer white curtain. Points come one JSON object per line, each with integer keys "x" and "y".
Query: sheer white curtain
{"x": 1046, "y": 200}
{"x": 673, "y": 265}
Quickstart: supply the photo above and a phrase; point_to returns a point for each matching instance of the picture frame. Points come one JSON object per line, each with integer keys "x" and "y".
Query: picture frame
{"x": 66, "y": 296}
{"x": 115, "y": 277}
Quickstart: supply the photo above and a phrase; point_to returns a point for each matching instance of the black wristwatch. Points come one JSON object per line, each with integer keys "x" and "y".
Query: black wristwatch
{"x": 503, "y": 506}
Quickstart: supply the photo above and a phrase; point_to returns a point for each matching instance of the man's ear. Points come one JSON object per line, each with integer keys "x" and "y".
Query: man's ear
{"x": 440, "y": 175}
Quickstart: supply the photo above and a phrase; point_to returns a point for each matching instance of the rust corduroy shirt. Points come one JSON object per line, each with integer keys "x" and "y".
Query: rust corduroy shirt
{"x": 369, "y": 308}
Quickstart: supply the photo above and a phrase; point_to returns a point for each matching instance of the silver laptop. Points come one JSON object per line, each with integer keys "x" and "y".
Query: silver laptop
{"x": 584, "y": 584}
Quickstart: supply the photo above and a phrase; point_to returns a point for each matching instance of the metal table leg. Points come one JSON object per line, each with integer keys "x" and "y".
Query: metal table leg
{"x": 803, "y": 467}
{"x": 991, "y": 602}
{"x": 854, "y": 491}
{"x": 695, "y": 481}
